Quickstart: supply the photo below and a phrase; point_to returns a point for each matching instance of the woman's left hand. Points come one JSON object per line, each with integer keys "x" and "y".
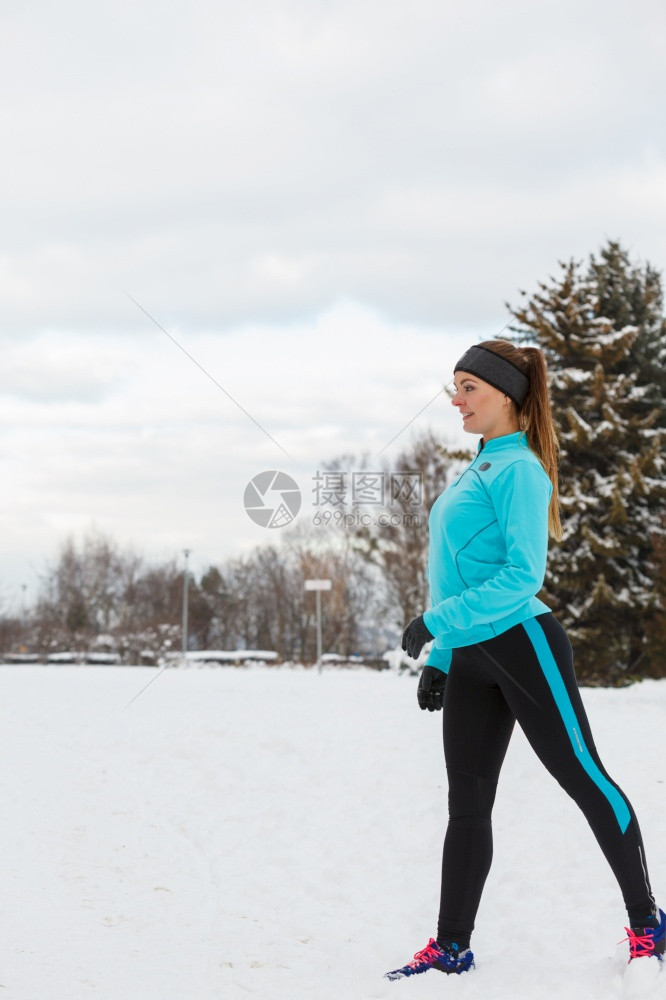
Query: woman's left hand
{"x": 430, "y": 692}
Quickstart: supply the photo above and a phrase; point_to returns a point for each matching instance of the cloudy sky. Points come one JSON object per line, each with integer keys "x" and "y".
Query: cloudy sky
{"x": 323, "y": 203}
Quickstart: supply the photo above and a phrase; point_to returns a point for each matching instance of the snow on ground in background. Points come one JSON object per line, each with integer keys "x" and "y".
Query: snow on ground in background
{"x": 276, "y": 833}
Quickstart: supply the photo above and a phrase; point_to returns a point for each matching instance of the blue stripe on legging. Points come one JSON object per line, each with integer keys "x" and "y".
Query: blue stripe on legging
{"x": 566, "y": 710}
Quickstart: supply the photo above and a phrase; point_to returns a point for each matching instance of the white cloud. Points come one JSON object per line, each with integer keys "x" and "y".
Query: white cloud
{"x": 152, "y": 451}
{"x": 242, "y": 170}
{"x": 231, "y": 161}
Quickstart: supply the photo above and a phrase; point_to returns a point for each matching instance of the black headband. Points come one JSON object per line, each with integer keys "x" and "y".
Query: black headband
{"x": 495, "y": 370}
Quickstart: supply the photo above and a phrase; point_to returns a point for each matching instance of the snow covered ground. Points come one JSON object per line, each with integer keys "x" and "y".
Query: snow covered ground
{"x": 276, "y": 833}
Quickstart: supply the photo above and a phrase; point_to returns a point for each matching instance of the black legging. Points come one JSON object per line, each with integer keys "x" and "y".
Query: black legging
{"x": 525, "y": 675}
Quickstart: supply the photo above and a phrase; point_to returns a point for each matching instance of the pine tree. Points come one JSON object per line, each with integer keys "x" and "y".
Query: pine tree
{"x": 631, "y": 295}
{"x": 604, "y": 339}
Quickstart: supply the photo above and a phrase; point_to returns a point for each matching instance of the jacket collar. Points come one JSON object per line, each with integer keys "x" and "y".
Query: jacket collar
{"x": 516, "y": 440}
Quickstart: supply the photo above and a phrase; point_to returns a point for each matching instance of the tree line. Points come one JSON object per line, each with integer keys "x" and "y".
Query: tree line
{"x": 601, "y": 325}
{"x": 97, "y": 597}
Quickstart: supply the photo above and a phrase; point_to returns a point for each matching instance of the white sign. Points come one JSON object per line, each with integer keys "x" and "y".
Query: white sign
{"x": 318, "y": 585}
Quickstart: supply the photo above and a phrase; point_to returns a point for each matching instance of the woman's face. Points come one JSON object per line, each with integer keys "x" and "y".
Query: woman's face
{"x": 484, "y": 409}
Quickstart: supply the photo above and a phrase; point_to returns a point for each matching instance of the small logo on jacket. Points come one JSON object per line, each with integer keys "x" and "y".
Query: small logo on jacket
{"x": 484, "y": 467}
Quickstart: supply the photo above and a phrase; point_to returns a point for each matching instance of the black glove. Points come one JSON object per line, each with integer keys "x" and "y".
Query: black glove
{"x": 430, "y": 691}
{"x": 415, "y": 637}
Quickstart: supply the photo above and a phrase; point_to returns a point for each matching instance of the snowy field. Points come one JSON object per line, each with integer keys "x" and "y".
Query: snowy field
{"x": 276, "y": 833}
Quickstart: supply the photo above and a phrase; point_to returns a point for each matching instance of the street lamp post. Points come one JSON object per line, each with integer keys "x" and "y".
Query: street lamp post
{"x": 186, "y": 583}
{"x": 24, "y": 625}
{"x": 318, "y": 586}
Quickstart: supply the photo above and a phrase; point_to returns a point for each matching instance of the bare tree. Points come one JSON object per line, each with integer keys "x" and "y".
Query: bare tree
{"x": 393, "y": 535}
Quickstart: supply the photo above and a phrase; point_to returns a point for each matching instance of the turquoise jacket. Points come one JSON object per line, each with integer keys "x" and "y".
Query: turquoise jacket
{"x": 488, "y": 547}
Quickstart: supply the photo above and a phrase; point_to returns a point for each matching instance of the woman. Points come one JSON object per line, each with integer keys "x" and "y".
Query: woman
{"x": 499, "y": 656}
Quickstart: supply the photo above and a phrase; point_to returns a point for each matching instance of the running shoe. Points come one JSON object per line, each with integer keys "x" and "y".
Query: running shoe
{"x": 447, "y": 959}
{"x": 645, "y": 941}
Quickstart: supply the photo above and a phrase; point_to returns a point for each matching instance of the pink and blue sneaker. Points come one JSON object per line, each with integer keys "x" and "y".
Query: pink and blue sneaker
{"x": 646, "y": 941}
{"x": 448, "y": 958}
